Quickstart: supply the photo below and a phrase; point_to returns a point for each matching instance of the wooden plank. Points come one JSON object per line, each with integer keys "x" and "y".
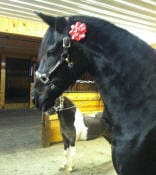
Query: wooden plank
{"x": 22, "y": 26}
{"x": 31, "y": 105}
{"x": 3, "y": 79}
{"x": 16, "y": 106}
{"x": 55, "y": 133}
{"x": 46, "y": 131}
{"x": 82, "y": 96}
{"x": 86, "y": 102}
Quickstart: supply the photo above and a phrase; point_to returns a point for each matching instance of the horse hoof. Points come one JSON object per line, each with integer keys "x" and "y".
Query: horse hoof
{"x": 66, "y": 168}
{"x": 63, "y": 167}
{"x": 70, "y": 169}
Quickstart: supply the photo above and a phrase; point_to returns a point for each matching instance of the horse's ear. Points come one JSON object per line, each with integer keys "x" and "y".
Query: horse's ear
{"x": 58, "y": 22}
{"x": 50, "y": 20}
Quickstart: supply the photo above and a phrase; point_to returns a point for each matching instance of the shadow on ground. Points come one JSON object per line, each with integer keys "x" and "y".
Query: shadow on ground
{"x": 19, "y": 130}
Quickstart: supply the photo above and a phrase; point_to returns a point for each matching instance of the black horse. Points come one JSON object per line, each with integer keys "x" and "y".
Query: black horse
{"x": 124, "y": 69}
{"x": 75, "y": 125}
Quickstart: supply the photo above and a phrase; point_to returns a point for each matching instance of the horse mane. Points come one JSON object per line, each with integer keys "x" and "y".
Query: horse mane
{"x": 98, "y": 31}
{"x": 101, "y": 33}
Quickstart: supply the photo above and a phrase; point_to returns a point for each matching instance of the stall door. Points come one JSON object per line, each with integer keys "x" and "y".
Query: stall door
{"x": 18, "y": 78}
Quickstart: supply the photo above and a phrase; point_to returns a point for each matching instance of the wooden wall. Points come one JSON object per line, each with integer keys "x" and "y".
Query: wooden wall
{"x": 22, "y": 27}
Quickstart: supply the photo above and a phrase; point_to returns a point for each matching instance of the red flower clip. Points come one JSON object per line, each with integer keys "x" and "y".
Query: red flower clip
{"x": 78, "y": 31}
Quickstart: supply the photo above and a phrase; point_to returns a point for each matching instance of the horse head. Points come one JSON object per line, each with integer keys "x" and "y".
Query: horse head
{"x": 62, "y": 57}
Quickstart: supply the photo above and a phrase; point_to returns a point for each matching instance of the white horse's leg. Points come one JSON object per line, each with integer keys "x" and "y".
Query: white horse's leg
{"x": 68, "y": 163}
{"x": 65, "y": 162}
{"x": 71, "y": 156}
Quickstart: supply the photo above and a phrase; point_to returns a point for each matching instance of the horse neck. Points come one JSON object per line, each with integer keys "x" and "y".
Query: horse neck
{"x": 67, "y": 115}
{"x": 112, "y": 61}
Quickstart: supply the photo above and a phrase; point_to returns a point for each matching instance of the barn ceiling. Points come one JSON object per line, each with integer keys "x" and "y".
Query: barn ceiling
{"x": 139, "y": 14}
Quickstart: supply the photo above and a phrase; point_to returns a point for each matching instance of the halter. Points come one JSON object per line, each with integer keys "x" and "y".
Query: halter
{"x": 77, "y": 33}
{"x": 45, "y": 77}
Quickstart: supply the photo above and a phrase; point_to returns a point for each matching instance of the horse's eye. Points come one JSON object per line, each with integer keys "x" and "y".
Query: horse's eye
{"x": 49, "y": 53}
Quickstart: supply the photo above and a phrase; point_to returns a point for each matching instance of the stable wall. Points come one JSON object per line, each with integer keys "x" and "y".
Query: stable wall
{"x": 22, "y": 27}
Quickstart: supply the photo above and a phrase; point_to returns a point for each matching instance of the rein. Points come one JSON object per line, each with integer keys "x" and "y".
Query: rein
{"x": 61, "y": 106}
{"x": 64, "y": 109}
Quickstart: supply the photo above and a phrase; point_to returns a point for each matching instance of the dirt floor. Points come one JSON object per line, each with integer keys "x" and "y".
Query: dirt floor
{"x": 21, "y": 152}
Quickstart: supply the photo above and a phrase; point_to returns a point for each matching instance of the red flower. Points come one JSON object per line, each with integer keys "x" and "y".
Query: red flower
{"x": 78, "y": 31}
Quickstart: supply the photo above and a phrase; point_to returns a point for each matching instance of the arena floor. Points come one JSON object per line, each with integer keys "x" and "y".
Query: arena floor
{"x": 21, "y": 152}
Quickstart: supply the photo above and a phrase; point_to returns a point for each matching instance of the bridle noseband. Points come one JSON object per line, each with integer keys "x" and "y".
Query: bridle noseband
{"x": 45, "y": 77}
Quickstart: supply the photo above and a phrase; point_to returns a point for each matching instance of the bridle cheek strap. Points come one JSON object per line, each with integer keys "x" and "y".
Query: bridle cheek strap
{"x": 45, "y": 78}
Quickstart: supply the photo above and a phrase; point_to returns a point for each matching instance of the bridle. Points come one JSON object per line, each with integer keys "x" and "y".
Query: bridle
{"x": 45, "y": 77}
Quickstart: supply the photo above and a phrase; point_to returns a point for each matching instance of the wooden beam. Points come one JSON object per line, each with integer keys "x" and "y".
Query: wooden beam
{"x": 22, "y": 26}
{"x": 154, "y": 46}
{"x": 2, "y": 81}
